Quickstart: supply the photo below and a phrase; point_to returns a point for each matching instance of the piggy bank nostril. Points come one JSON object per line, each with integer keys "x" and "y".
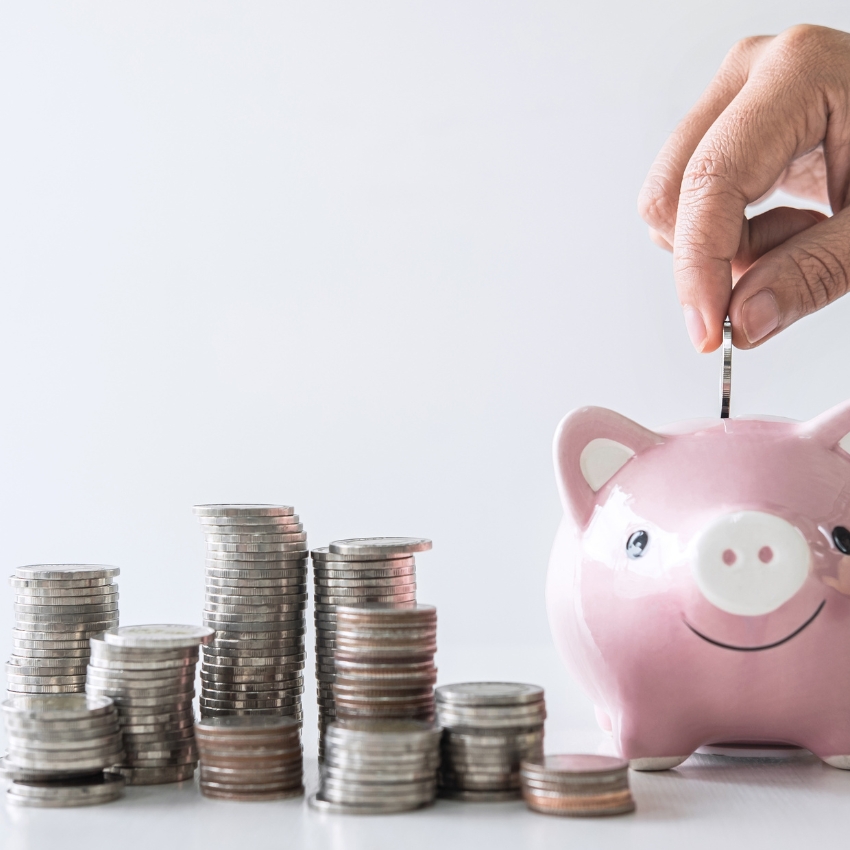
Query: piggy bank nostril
{"x": 729, "y": 557}
{"x": 765, "y": 554}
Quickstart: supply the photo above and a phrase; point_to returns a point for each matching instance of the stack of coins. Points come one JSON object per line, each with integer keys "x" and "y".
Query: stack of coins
{"x": 489, "y": 728}
{"x": 58, "y": 607}
{"x": 256, "y": 595}
{"x": 149, "y": 671}
{"x": 59, "y": 746}
{"x": 385, "y": 662}
{"x": 250, "y": 757}
{"x": 577, "y": 785}
{"x": 377, "y": 767}
{"x": 351, "y": 572}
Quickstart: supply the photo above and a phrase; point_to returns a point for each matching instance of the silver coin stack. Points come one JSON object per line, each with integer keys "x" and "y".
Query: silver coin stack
{"x": 351, "y": 572}
{"x": 250, "y": 758}
{"x": 385, "y": 662}
{"x": 149, "y": 672}
{"x": 256, "y": 595}
{"x": 375, "y": 767}
{"x": 58, "y": 607}
{"x": 59, "y": 747}
{"x": 489, "y": 728}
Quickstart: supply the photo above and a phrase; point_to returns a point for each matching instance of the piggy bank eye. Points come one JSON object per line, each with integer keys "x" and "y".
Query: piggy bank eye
{"x": 841, "y": 538}
{"x": 637, "y": 543}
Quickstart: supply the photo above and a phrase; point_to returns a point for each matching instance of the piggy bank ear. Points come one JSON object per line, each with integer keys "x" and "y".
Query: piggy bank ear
{"x": 592, "y": 444}
{"x": 831, "y": 429}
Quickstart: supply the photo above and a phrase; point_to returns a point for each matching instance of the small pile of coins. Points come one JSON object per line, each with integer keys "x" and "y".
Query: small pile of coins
{"x": 256, "y": 595}
{"x": 58, "y": 607}
{"x": 377, "y": 767}
{"x": 59, "y": 747}
{"x": 577, "y": 785}
{"x": 149, "y": 672}
{"x": 385, "y": 662}
{"x": 489, "y": 728}
{"x": 250, "y": 758}
{"x": 350, "y": 572}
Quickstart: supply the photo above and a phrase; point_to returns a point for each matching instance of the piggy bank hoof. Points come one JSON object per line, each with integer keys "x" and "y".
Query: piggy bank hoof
{"x": 660, "y": 763}
{"x": 841, "y": 762}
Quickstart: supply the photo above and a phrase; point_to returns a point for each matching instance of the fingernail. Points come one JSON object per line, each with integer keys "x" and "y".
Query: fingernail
{"x": 695, "y": 326}
{"x": 760, "y": 315}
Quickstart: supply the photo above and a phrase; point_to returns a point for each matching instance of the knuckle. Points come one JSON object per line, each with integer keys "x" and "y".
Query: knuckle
{"x": 708, "y": 169}
{"x": 657, "y": 205}
{"x": 822, "y": 274}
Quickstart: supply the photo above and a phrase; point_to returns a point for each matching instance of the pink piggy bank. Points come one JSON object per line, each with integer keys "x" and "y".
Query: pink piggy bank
{"x": 698, "y": 585}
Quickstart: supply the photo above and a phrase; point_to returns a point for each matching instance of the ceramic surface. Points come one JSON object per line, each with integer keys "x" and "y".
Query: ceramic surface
{"x": 697, "y": 587}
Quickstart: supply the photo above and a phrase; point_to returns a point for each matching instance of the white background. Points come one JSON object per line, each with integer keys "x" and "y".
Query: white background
{"x": 359, "y": 257}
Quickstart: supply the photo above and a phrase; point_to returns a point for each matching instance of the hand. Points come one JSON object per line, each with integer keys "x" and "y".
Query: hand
{"x": 777, "y": 115}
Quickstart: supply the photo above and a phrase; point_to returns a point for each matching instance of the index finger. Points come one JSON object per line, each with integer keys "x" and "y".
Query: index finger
{"x": 738, "y": 161}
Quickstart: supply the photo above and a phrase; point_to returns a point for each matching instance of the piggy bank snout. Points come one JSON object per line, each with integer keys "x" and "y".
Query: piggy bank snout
{"x": 749, "y": 563}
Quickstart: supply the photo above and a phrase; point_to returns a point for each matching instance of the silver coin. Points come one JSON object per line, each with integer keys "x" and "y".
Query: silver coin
{"x": 289, "y": 544}
{"x": 295, "y": 662}
{"x": 225, "y": 637}
{"x": 158, "y": 636}
{"x": 65, "y": 571}
{"x": 242, "y": 510}
{"x": 251, "y": 576}
{"x": 287, "y": 552}
{"x": 380, "y": 546}
{"x": 109, "y": 652}
{"x": 251, "y": 605}
{"x": 726, "y": 371}
{"x": 259, "y": 631}
{"x": 40, "y": 585}
{"x": 280, "y": 703}
{"x": 489, "y": 694}
{"x": 82, "y": 791}
{"x": 69, "y": 631}
{"x": 324, "y": 554}
{"x": 79, "y": 620}
{"x": 280, "y": 534}
{"x": 156, "y": 776}
{"x": 74, "y": 614}
{"x": 255, "y": 592}
{"x": 251, "y": 587}
{"x": 65, "y": 748}
{"x": 320, "y": 804}
{"x": 254, "y": 657}
{"x": 481, "y": 796}
{"x": 70, "y": 707}
{"x": 22, "y": 679}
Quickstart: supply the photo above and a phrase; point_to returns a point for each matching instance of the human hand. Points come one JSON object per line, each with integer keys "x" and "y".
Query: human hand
{"x": 776, "y": 115}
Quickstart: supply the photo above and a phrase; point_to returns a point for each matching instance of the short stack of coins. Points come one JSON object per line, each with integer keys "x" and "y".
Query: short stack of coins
{"x": 374, "y": 767}
{"x": 385, "y": 662}
{"x": 577, "y": 785}
{"x": 58, "y": 607}
{"x": 59, "y": 746}
{"x": 489, "y": 728}
{"x": 350, "y": 572}
{"x": 149, "y": 672}
{"x": 250, "y": 757}
{"x": 256, "y": 596}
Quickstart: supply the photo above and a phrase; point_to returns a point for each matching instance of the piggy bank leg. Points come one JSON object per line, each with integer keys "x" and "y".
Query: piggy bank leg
{"x": 643, "y": 746}
{"x": 657, "y": 763}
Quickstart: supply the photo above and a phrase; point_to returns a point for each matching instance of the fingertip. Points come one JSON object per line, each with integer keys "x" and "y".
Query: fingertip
{"x": 695, "y": 326}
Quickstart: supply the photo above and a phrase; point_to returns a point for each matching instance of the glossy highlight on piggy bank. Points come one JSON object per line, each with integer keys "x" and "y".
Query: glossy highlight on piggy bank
{"x": 699, "y": 584}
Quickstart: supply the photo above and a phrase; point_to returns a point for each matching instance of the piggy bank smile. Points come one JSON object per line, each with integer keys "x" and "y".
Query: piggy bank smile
{"x": 699, "y": 585}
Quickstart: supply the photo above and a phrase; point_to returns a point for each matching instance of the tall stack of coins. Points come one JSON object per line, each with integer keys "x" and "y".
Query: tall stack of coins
{"x": 250, "y": 757}
{"x": 58, "y": 607}
{"x": 385, "y": 662}
{"x": 489, "y": 728}
{"x": 59, "y": 746}
{"x": 256, "y": 595}
{"x": 351, "y": 572}
{"x": 378, "y": 767}
{"x": 577, "y": 785}
{"x": 149, "y": 672}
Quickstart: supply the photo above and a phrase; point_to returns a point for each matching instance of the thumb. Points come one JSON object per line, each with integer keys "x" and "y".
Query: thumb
{"x": 798, "y": 277}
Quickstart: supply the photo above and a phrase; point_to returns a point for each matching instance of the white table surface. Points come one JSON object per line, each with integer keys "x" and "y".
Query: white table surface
{"x": 709, "y": 801}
